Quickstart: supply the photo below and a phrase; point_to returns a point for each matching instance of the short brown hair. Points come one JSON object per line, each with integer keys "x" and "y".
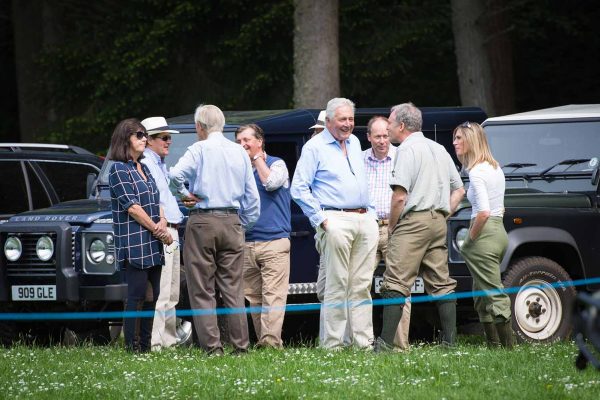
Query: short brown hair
{"x": 258, "y": 132}
{"x": 119, "y": 143}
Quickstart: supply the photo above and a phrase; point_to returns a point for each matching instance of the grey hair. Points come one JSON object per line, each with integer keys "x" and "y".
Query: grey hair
{"x": 336, "y": 103}
{"x": 210, "y": 118}
{"x": 410, "y": 115}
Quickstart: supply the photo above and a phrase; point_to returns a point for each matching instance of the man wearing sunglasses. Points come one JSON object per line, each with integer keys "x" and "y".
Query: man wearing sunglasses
{"x": 157, "y": 148}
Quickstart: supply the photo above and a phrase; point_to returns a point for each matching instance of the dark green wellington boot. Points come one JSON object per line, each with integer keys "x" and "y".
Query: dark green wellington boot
{"x": 505, "y": 333}
{"x": 392, "y": 313}
{"x": 491, "y": 334}
{"x": 447, "y": 311}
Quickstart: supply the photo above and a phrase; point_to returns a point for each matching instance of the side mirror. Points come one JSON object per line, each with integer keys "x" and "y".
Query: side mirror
{"x": 89, "y": 184}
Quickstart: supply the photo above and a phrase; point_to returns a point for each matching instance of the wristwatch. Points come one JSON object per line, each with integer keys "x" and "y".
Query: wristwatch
{"x": 256, "y": 157}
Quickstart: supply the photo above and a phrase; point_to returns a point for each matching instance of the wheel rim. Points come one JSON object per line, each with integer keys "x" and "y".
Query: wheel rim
{"x": 538, "y": 310}
{"x": 184, "y": 332}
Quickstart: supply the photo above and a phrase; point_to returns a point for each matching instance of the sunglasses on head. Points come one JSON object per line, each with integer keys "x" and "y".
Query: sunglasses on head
{"x": 140, "y": 135}
{"x": 466, "y": 124}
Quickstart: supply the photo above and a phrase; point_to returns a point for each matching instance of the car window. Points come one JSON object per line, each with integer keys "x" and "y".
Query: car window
{"x": 12, "y": 186}
{"x": 39, "y": 196}
{"x": 545, "y": 144}
{"x": 68, "y": 178}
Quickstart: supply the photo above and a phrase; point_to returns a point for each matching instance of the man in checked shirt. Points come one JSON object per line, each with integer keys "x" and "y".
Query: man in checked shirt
{"x": 379, "y": 160}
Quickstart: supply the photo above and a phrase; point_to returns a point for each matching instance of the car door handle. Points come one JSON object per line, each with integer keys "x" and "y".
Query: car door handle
{"x": 300, "y": 233}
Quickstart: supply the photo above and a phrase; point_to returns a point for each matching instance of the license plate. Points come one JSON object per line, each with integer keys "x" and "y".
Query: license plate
{"x": 34, "y": 293}
{"x": 418, "y": 286}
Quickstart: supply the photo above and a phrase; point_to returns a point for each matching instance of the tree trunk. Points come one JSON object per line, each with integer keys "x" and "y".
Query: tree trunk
{"x": 34, "y": 24}
{"x": 499, "y": 48}
{"x": 316, "y": 53}
{"x": 473, "y": 64}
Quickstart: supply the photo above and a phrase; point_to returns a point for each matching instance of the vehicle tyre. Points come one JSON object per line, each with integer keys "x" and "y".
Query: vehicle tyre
{"x": 542, "y": 303}
{"x": 9, "y": 333}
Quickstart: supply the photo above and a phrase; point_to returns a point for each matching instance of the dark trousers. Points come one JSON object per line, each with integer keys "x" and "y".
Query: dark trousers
{"x": 213, "y": 253}
{"x": 143, "y": 288}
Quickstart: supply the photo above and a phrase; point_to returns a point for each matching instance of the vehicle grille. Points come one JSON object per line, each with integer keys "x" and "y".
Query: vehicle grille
{"x": 29, "y": 264}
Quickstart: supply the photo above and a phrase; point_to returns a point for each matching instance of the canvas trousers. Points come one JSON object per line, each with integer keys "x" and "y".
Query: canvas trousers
{"x": 347, "y": 250}
{"x": 418, "y": 244}
{"x": 164, "y": 330}
{"x": 213, "y": 252}
{"x": 266, "y": 281}
{"x": 401, "y": 338}
{"x": 483, "y": 257}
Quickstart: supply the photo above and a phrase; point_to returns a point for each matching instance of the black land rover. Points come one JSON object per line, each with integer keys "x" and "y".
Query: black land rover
{"x": 550, "y": 159}
{"x": 61, "y": 258}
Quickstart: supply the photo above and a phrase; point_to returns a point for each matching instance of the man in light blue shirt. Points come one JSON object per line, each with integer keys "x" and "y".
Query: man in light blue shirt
{"x": 222, "y": 185}
{"x": 164, "y": 332}
{"x": 331, "y": 187}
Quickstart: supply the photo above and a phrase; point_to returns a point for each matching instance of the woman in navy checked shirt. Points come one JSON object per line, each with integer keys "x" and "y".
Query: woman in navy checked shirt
{"x": 140, "y": 229}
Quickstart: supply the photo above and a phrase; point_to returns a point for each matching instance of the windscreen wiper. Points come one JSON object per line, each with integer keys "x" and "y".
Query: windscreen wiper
{"x": 517, "y": 166}
{"x": 569, "y": 162}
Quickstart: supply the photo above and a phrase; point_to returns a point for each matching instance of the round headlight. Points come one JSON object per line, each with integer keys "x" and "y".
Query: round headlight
{"x": 110, "y": 259}
{"x": 461, "y": 236}
{"x": 44, "y": 248}
{"x": 97, "y": 250}
{"x": 13, "y": 248}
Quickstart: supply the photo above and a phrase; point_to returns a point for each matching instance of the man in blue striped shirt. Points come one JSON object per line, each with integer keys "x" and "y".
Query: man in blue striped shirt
{"x": 330, "y": 186}
{"x": 227, "y": 203}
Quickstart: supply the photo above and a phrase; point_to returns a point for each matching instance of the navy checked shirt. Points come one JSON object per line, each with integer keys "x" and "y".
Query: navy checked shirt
{"x": 135, "y": 244}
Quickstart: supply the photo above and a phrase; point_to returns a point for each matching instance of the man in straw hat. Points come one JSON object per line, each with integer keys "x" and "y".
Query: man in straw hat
{"x": 164, "y": 332}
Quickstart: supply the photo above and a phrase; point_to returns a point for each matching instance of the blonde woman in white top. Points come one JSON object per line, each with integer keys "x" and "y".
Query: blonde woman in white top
{"x": 486, "y": 243}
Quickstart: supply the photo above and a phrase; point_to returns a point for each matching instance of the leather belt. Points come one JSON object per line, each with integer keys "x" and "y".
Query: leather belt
{"x": 383, "y": 222}
{"x": 174, "y": 226}
{"x": 214, "y": 211}
{"x": 352, "y": 210}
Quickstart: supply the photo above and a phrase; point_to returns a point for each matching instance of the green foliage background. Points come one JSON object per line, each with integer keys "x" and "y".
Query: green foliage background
{"x": 153, "y": 57}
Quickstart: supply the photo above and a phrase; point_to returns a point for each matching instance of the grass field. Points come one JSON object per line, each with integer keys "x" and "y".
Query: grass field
{"x": 469, "y": 371}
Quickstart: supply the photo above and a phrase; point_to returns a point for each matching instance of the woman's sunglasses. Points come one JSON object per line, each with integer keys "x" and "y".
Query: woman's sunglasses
{"x": 140, "y": 135}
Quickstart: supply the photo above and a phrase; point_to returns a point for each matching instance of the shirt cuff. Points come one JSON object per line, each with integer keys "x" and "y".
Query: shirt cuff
{"x": 317, "y": 219}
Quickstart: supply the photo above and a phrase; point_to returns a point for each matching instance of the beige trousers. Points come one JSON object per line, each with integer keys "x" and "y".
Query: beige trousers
{"x": 164, "y": 333}
{"x": 401, "y": 338}
{"x": 347, "y": 250}
{"x": 418, "y": 244}
{"x": 266, "y": 281}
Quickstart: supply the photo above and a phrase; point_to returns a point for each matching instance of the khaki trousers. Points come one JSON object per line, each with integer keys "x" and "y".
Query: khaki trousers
{"x": 418, "y": 243}
{"x": 348, "y": 250}
{"x": 164, "y": 331}
{"x": 213, "y": 252}
{"x": 401, "y": 338}
{"x": 266, "y": 281}
{"x": 483, "y": 257}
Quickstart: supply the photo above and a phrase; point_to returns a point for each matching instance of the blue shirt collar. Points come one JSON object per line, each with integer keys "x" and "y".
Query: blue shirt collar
{"x": 328, "y": 137}
{"x": 153, "y": 155}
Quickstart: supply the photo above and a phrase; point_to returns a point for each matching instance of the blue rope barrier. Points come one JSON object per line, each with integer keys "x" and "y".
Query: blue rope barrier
{"x": 93, "y": 315}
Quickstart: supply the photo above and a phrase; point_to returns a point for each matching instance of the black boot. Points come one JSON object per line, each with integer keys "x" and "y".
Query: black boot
{"x": 392, "y": 313}
{"x": 505, "y": 333}
{"x": 447, "y": 311}
{"x": 491, "y": 334}
{"x": 131, "y": 326}
{"x": 146, "y": 324}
